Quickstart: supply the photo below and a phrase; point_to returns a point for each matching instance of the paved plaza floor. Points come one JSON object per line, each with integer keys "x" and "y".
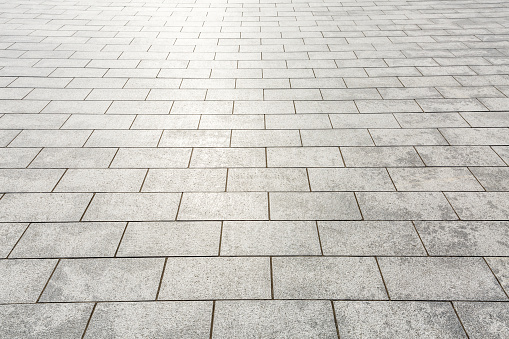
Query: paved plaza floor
{"x": 254, "y": 169}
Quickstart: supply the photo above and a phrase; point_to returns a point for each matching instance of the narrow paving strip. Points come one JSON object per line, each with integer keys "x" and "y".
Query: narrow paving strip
{"x": 254, "y": 169}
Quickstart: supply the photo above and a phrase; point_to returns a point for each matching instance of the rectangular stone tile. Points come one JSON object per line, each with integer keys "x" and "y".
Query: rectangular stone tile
{"x": 51, "y": 138}
{"x": 336, "y": 137}
{"x": 29, "y": 180}
{"x": 405, "y": 206}
{"x": 363, "y": 121}
{"x": 139, "y": 107}
{"x": 166, "y": 122}
{"x": 492, "y": 178}
{"x": 407, "y": 137}
{"x": 216, "y": 278}
{"x": 108, "y": 279}
{"x": 43, "y": 240}
{"x": 267, "y": 179}
{"x": 228, "y": 157}
{"x": 124, "y": 138}
{"x": 387, "y": 106}
{"x": 201, "y": 138}
{"x": 202, "y": 107}
{"x": 133, "y": 207}
{"x": 9, "y": 236}
{"x": 43, "y": 207}
{"x": 363, "y": 238}
{"x": 381, "y": 157}
{"x": 170, "y": 239}
{"x": 327, "y": 278}
{"x": 265, "y": 138}
{"x": 484, "y": 319}
{"x": 32, "y": 121}
{"x": 298, "y": 121}
{"x": 152, "y": 158}
{"x": 77, "y": 107}
{"x": 502, "y": 152}
{"x": 313, "y": 206}
{"x": 397, "y": 319}
{"x": 350, "y": 179}
{"x": 237, "y": 121}
{"x": 465, "y": 238}
{"x": 185, "y": 180}
{"x": 241, "y": 238}
{"x": 304, "y": 157}
{"x": 101, "y": 180}
{"x": 500, "y": 267}
{"x": 476, "y": 136}
{"x": 74, "y": 158}
{"x": 89, "y": 121}
{"x": 430, "y": 120}
{"x": 328, "y": 106}
{"x": 263, "y": 107}
{"x": 183, "y": 319}
{"x": 22, "y": 281}
{"x": 480, "y": 205}
{"x": 439, "y": 278}
{"x": 17, "y": 157}
{"x": 485, "y": 119}
{"x": 224, "y": 206}
{"x": 27, "y": 106}
{"x": 450, "y": 105}
{"x": 6, "y": 137}
{"x": 434, "y": 179}
{"x": 459, "y": 156}
{"x": 44, "y": 321}
{"x": 304, "y": 319}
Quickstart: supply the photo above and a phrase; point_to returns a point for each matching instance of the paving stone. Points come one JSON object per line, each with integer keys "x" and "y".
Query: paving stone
{"x": 362, "y": 238}
{"x": 439, "y": 278}
{"x": 265, "y": 138}
{"x": 56, "y": 240}
{"x": 274, "y": 318}
{"x": 476, "y": 136}
{"x": 216, "y": 278}
{"x": 492, "y": 178}
{"x": 23, "y": 280}
{"x": 224, "y": 206}
{"x": 155, "y": 319}
{"x": 480, "y": 205}
{"x": 34, "y": 207}
{"x": 465, "y": 238}
{"x": 185, "y": 180}
{"x": 29, "y": 180}
{"x": 269, "y": 238}
{"x": 459, "y": 156}
{"x": 124, "y": 138}
{"x": 405, "y": 206}
{"x": 228, "y": 157}
{"x": 484, "y": 319}
{"x": 49, "y": 138}
{"x": 152, "y": 158}
{"x": 133, "y": 207}
{"x": 118, "y": 279}
{"x": 304, "y": 157}
{"x": 44, "y": 320}
{"x": 397, "y": 319}
{"x": 349, "y": 179}
{"x": 202, "y": 138}
{"x": 170, "y": 239}
{"x": 336, "y": 137}
{"x": 500, "y": 267}
{"x": 17, "y": 157}
{"x": 101, "y": 180}
{"x": 407, "y": 136}
{"x": 9, "y": 235}
{"x": 74, "y": 158}
{"x": 267, "y": 179}
{"x": 327, "y": 278}
{"x": 434, "y": 179}
{"x": 381, "y": 157}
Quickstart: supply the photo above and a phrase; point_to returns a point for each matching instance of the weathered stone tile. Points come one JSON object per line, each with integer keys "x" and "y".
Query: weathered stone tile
{"x": 111, "y": 279}
{"x": 43, "y": 207}
{"x": 29, "y": 180}
{"x": 405, "y": 206}
{"x": 492, "y": 178}
{"x": 484, "y": 319}
{"x": 124, "y": 138}
{"x": 74, "y": 158}
{"x": 228, "y": 157}
{"x": 9, "y": 235}
{"x": 350, "y": 179}
{"x": 430, "y": 120}
{"x": 459, "y": 156}
{"x": 43, "y": 240}
{"x": 476, "y": 136}
{"x": 381, "y": 157}
{"x": 465, "y": 238}
{"x": 22, "y": 281}
{"x": 44, "y": 321}
{"x": 304, "y": 157}
{"x": 185, "y": 180}
{"x": 101, "y": 180}
{"x": 439, "y": 278}
{"x": 500, "y": 267}
{"x": 267, "y": 179}
{"x": 269, "y": 238}
{"x": 201, "y": 138}
{"x": 216, "y": 278}
{"x": 49, "y": 138}
{"x": 265, "y": 138}
{"x": 17, "y": 157}
{"x": 407, "y": 137}
{"x": 363, "y": 238}
{"x": 133, "y": 207}
{"x": 327, "y": 278}
{"x": 363, "y": 121}
{"x": 336, "y": 137}
{"x": 434, "y": 179}
{"x": 182, "y": 319}
{"x": 397, "y": 319}
{"x": 224, "y": 206}
{"x": 480, "y": 205}
{"x": 152, "y": 158}
{"x": 170, "y": 239}
{"x": 270, "y": 318}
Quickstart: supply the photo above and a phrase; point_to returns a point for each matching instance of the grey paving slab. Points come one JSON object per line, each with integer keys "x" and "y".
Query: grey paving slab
{"x": 9, "y": 236}
{"x": 327, "y": 278}
{"x": 57, "y": 240}
{"x": 267, "y": 179}
{"x": 216, "y": 278}
{"x": 48, "y": 138}
{"x": 381, "y": 157}
{"x": 101, "y": 180}
{"x": 484, "y": 319}
{"x": 228, "y": 157}
{"x": 304, "y": 157}
{"x": 170, "y": 239}
{"x": 397, "y": 319}
{"x": 492, "y": 178}
{"x": 434, "y": 179}
{"x": 185, "y": 180}
{"x": 362, "y": 238}
{"x": 439, "y": 278}
{"x": 181, "y": 319}
{"x": 350, "y": 179}
{"x": 17, "y": 157}
{"x": 459, "y": 156}
{"x": 44, "y": 320}
{"x": 480, "y": 205}
{"x": 151, "y": 158}
{"x": 29, "y": 180}
{"x": 274, "y": 319}
{"x": 74, "y": 158}
{"x": 500, "y": 267}
{"x": 118, "y": 279}
{"x": 23, "y": 280}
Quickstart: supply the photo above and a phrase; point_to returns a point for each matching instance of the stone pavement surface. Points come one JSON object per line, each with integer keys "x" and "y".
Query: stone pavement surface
{"x": 254, "y": 169}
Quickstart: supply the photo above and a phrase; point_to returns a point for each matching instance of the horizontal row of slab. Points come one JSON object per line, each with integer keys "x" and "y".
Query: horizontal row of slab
{"x": 47, "y": 207}
{"x": 257, "y": 319}
{"x": 207, "y": 278}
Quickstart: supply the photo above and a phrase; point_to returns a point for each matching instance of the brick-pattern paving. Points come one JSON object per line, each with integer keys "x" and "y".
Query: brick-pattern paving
{"x": 254, "y": 169}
